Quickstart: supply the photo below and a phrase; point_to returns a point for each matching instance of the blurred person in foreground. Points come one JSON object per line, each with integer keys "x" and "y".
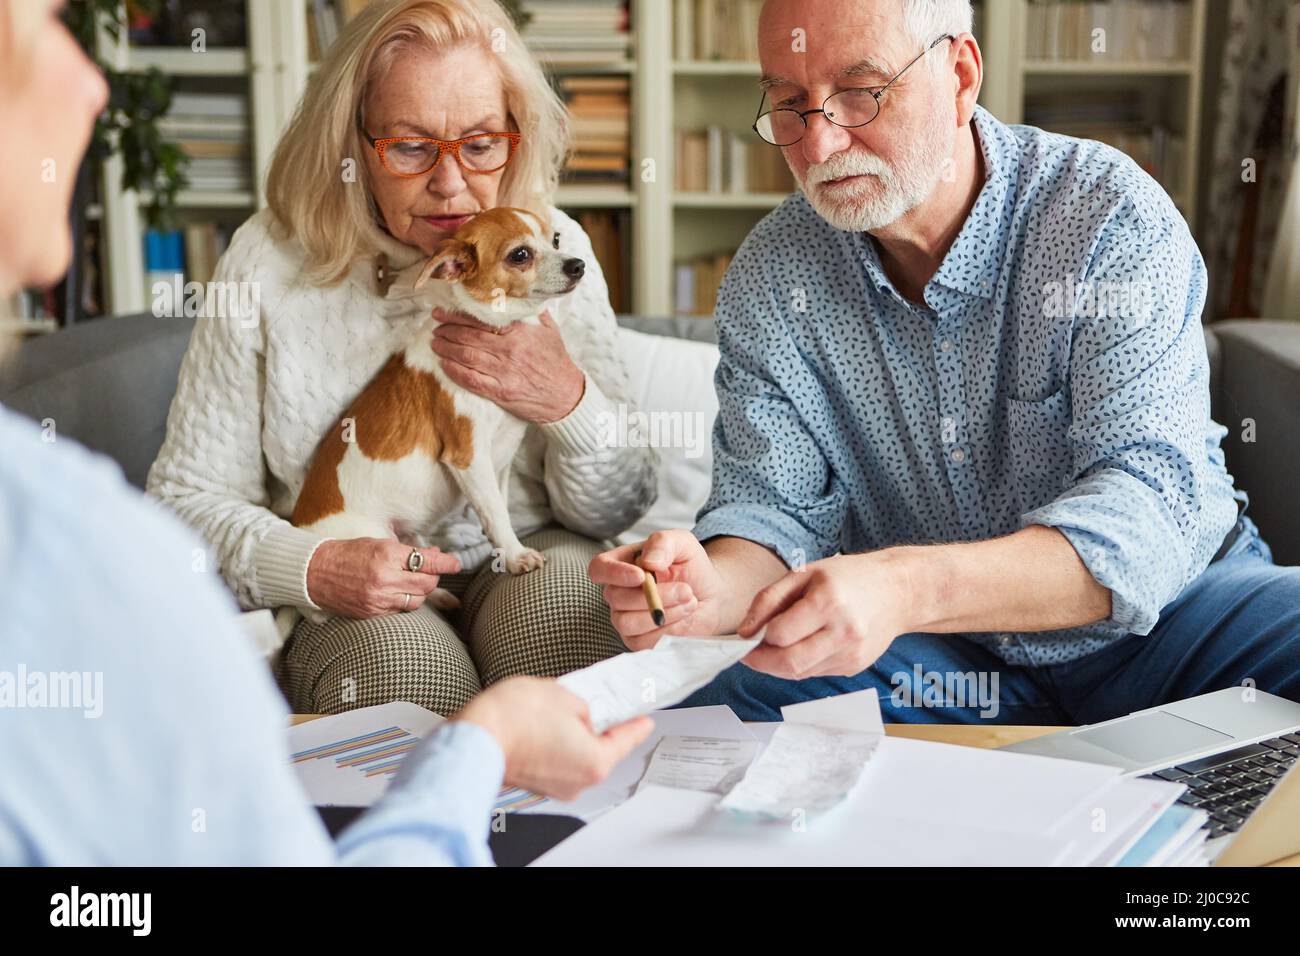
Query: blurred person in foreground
{"x": 137, "y": 723}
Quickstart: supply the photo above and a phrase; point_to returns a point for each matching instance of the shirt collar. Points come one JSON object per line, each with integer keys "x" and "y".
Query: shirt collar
{"x": 974, "y": 261}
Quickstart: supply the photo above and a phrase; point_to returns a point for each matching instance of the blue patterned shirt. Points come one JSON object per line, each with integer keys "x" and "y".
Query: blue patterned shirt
{"x": 1056, "y": 376}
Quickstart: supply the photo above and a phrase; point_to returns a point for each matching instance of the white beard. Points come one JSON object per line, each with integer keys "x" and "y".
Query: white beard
{"x": 889, "y": 192}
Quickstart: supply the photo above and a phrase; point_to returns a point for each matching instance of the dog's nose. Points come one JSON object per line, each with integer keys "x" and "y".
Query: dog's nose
{"x": 574, "y": 268}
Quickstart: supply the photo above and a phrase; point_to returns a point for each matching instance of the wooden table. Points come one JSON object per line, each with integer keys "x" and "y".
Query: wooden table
{"x": 964, "y": 735}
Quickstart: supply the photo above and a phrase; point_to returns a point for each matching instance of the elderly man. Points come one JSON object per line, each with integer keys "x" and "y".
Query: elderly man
{"x": 964, "y": 422}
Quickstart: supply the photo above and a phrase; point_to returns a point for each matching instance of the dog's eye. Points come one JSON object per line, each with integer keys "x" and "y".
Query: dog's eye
{"x": 520, "y": 255}
{"x": 555, "y": 240}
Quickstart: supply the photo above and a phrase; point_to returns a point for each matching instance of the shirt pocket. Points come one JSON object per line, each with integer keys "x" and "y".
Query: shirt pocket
{"x": 1041, "y": 461}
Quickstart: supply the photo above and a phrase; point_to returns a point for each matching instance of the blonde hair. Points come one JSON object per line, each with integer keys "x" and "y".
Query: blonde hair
{"x": 330, "y": 218}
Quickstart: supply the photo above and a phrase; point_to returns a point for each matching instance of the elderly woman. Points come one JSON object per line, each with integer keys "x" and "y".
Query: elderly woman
{"x": 445, "y": 78}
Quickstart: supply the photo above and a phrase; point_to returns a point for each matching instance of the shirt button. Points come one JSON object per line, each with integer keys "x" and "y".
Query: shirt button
{"x": 945, "y": 345}
{"x": 1004, "y": 640}
{"x": 958, "y": 455}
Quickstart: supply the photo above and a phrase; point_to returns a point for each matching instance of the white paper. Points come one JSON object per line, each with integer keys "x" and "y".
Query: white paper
{"x": 711, "y": 764}
{"x": 858, "y": 712}
{"x": 804, "y": 770}
{"x": 630, "y": 685}
{"x": 921, "y": 780}
{"x": 715, "y": 721}
{"x": 1106, "y": 826}
{"x": 813, "y": 759}
{"x": 660, "y": 826}
{"x": 347, "y": 760}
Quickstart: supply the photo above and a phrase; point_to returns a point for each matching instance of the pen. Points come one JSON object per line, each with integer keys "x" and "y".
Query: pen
{"x": 650, "y": 587}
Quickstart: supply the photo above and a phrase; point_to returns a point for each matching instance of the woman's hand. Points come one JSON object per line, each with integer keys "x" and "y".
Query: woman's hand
{"x": 367, "y": 577}
{"x": 546, "y": 737}
{"x": 523, "y": 368}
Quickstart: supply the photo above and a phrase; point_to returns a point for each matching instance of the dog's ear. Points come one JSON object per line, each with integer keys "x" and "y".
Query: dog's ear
{"x": 453, "y": 260}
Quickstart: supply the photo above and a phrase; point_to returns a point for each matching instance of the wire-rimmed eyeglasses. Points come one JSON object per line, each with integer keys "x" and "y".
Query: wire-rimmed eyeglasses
{"x": 848, "y": 108}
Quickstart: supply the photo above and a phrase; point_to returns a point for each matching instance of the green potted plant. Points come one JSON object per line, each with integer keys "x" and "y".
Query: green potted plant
{"x": 129, "y": 124}
{"x": 129, "y": 127}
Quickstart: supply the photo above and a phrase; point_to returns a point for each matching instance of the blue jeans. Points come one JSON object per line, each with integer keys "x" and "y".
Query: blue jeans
{"x": 1238, "y": 621}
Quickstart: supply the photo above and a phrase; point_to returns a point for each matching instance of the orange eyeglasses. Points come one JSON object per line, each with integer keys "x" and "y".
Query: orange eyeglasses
{"x": 409, "y": 156}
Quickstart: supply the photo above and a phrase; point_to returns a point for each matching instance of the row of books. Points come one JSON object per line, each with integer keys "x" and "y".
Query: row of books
{"x": 219, "y": 23}
{"x": 1108, "y": 29}
{"x": 716, "y": 29}
{"x": 696, "y": 282}
{"x": 325, "y": 18}
{"x": 599, "y": 109}
{"x": 718, "y": 161}
{"x": 212, "y": 130}
{"x": 192, "y": 251}
{"x": 608, "y": 230}
{"x": 577, "y": 31}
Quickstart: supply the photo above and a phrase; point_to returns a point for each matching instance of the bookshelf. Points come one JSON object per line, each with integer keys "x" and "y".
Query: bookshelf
{"x": 1153, "y": 61}
{"x": 671, "y": 87}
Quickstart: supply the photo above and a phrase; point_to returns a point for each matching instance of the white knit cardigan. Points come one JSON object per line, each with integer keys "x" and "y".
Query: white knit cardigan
{"x": 252, "y": 404}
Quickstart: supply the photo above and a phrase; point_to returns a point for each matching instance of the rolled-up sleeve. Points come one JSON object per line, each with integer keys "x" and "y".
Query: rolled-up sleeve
{"x": 1142, "y": 514}
{"x": 771, "y": 482}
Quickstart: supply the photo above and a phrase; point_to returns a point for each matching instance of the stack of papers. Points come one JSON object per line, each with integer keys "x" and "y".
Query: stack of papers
{"x": 913, "y": 803}
{"x": 823, "y": 787}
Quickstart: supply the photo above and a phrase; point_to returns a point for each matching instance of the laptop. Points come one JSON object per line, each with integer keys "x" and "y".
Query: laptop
{"x": 1236, "y": 750}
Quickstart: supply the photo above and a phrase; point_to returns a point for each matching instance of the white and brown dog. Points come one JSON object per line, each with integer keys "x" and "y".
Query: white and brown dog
{"x": 419, "y": 444}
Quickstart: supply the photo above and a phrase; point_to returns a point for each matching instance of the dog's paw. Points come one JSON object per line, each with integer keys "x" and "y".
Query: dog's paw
{"x": 525, "y": 561}
{"x": 442, "y": 599}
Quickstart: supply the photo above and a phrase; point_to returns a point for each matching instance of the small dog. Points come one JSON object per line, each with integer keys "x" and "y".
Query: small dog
{"x": 419, "y": 444}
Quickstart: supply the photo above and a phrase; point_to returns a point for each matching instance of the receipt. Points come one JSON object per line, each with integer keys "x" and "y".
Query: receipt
{"x": 813, "y": 759}
{"x": 712, "y": 764}
{"x": 804, "y": 768}
{"x": 629, "y": 685}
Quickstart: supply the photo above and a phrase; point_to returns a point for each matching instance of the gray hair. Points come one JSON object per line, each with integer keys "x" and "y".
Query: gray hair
{"x": 924, "y": 21}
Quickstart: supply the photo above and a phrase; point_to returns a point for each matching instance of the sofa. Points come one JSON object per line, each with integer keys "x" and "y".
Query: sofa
{"x": 109, "y": 383}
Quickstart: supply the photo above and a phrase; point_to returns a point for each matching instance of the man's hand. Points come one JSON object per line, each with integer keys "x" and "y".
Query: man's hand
{"x": 834, "y": 617}
{"x": 546, "y": 736}
{"x": 690, "y": 587}
{"x": 523, "y": 368}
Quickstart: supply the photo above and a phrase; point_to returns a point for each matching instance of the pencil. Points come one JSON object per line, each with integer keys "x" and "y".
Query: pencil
{"x": 651, "y": 589}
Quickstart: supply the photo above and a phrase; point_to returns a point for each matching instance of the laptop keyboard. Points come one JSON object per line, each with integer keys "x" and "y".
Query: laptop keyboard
{"x": 1230, "y": 785}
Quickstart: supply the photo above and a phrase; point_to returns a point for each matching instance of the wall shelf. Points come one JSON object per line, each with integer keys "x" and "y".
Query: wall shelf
{"x": 667, "y": 91}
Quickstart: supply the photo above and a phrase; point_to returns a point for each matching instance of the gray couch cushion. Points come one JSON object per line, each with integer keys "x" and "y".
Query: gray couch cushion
{"x": 695, "y": 328}
{"x": 1260, "y": 381}
{"x": 107, "y": 383}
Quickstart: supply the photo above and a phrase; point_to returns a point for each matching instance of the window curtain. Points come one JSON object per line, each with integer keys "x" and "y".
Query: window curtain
{"x": 1282, "y": 289}
{"x": 1249, "y": 236}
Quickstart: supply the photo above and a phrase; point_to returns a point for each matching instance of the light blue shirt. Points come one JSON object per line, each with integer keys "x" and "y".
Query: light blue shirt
{"x": 137, "y": 724}
{"x": 1056, "y": 376}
